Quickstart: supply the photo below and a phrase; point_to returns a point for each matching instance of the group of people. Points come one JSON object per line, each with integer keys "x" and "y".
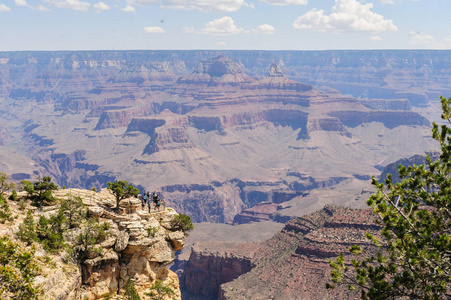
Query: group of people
{"x": 146, "y": 198}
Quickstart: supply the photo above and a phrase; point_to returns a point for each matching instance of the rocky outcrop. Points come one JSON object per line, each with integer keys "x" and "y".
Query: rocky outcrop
{"x": 292, "y": 264}
{"x": 138, "y": 245}
{"x": 418, "y": 159}
{"x": 209, "y": 267}
{"x": 216, "y": 71}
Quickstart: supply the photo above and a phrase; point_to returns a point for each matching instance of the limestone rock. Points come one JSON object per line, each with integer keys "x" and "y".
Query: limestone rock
{"x": 121, "y": 241}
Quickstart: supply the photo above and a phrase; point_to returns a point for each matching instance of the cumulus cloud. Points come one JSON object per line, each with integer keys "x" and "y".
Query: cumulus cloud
{"x": 285, "y": 2}
{"x": 223, "y": 26}
{"x": 41, "y": 7}
{"x": 202, "y": 5}
{"x": 70, "y": 4}
{"x": 101, "y": 7}
{"x": 4, "y": 8}
{"x": 388, "y": 2}
{"x": 154, "y": 29}
{"x": 346, "y": 15}
{"x": 22, "y": 3}
{"x": 129, "y": 8}
{"x": 265, "y": 28}
{"x": 376, "y": 38}
{"x": 417, "y": 38}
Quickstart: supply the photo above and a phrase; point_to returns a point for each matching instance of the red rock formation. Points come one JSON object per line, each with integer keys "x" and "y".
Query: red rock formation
{"x": 291, "y": 265}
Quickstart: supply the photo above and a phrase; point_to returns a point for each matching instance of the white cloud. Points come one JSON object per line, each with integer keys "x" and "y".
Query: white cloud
{"x": 250, "y": 5}
{"x": 388, "y": 2}
{"x": 129, "y": 8}
{"x": 203, "y": 5}
{"x": 70, "y": 4}
{"x": 101, "y": 7}
{"x": 417, "y": 38}
{"x": 222, "y": 26}
{"x": 221, "y": 44}
{"x": 346, "y": 15}
{"x": 41, "y": 7}
{"x": 376, "y": 38}
{"x": 285, "y": 2}
{"x": 265, "y": 28}
{"x": 4, "y": 8}
{"x": 22, "y": 3}
{"x": 188, "y": 29}
{"x": 151, "y": 29}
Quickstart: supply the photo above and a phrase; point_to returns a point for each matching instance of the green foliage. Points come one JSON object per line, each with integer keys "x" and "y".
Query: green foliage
{"x": 40, "y": 192}
{"x": 151, "y": 231}
{"x": 50, "y": 231}
{"x": 414, "y": 257}
{"x": 13, "y": 196}
{"x": 28, "y": 187}
{"x": 5, "y": 212}
{"x": 74, "y": 210}
{"x": 121, "y": 190}
{"x": 94, "y": 233}
{"x": 94, "y": 189}
{"x": 17, "y": 271}
{"x": 43, "y": 191}
{"x": 130, "y": 291}
{"x": 27, "y": 230}
{"x": 182, "y": 222}
{"x": 4, "y": 184}
{"x": 160, "y": 290}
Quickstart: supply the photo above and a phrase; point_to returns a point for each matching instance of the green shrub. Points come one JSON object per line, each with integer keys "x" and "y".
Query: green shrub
{"x": 17, "y": 271}
{"x": 27, "y": 230}
{"x": 130, "y": 291}
{"x": 5, "y": 212}
{"x": 13, "y": 196}
{"x": 182, "y": 222}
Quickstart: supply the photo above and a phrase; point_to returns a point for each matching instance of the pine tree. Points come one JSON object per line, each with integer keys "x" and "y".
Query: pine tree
{"x": 414, "y": 257}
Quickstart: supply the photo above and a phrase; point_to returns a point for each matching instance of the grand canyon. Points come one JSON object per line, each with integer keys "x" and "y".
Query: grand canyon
{"x": 242, "y": 141}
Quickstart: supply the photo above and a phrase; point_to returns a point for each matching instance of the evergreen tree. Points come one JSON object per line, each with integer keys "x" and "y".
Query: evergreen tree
{"x": 414, "y": 257}
{"x": 27, "y": 230}
{"x": 121, "y": 190}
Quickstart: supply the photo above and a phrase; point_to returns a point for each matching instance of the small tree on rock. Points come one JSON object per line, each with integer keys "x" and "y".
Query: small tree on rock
{"x": 182, "y": 222}
{"x": 121, "y": 190}
{"x": 4, "y": 184}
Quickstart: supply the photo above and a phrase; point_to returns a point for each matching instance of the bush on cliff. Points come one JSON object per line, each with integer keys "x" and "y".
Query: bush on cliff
{"x": 182, "y": 222}
{"x": 414, "y": 257}
{"x": 17, "y": 271}
{"x": 130, "y": 291}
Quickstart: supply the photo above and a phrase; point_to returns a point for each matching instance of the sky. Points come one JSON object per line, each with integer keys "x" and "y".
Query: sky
{"x": 224, "y": 24}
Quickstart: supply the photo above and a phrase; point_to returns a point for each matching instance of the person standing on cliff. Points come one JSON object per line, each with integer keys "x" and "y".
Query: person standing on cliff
{"x": 143, "y": 201}
{"x": 155, "y": 198}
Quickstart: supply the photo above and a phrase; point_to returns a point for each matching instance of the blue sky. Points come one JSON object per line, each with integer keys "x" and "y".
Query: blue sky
{"x": 224, "y": 24}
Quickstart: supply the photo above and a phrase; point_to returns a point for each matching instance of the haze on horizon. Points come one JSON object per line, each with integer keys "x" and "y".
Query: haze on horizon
{"x": 225, "y": 24}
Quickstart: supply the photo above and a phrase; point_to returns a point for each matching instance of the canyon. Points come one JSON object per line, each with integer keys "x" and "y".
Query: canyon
{"x": 242, "y": 141}
{"x": 217, "y": 132}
